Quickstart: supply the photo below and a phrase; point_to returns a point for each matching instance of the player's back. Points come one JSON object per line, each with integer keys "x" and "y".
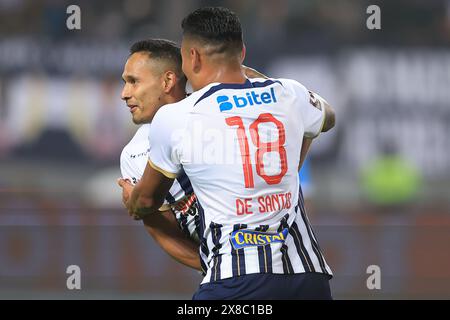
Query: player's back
{"x": 245, "y": 143}
{"x": 240, "y": 145}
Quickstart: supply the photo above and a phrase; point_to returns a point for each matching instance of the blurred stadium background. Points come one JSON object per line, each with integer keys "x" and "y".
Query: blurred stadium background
{"x": 381, "y": 179}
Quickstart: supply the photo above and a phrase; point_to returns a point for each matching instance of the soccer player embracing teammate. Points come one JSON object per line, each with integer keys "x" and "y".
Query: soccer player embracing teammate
{"x": 239, "y": 142}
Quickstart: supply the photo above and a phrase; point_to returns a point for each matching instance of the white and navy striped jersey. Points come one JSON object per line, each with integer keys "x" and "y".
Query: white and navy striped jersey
{"x": 240, "y": 145}
{"x": 180, "y": 198}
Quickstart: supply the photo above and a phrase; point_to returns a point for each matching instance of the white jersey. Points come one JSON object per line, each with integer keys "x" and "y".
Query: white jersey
{"x": 240, "y": 145}
{"x": 180, "y": 199}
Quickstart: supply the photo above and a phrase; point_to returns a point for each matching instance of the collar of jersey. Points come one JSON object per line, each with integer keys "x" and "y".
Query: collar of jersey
{"x": 214, "y": 87}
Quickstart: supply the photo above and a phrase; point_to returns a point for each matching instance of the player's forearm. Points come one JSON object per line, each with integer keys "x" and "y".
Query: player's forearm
{"x": 305, "y": 148}
{"x": 164, "y": 229}
{"x": 330, "y": 116}
{"x": 140, "y": 203}
{"x": 149, "y": 193}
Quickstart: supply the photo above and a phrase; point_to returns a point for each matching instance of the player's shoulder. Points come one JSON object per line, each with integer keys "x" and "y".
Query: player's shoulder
{"x": 142, "y": 132}
{"x": 256, "y": 82}
{"x": 175, "y": 113}
{"x": 140, "y": 135}
{"x": 294, "y": 87}
{"x": 171, "y": 109}
{"x": 291, "y": 83}
{"x": 139, "y": 140}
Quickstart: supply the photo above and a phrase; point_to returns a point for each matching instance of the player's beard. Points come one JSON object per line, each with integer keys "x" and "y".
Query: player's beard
{"x": 143, "y": 115}
{"x": 137, "y": 116}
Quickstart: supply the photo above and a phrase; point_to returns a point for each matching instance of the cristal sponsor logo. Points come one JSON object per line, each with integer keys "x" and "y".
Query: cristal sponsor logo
{"x": 245, "y": 238}
{"x": 249, "y": 99}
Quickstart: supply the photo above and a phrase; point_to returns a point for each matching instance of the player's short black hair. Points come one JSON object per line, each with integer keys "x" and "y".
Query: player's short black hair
{"x": 217, "y": 26}
{"x": 161, "y": 49}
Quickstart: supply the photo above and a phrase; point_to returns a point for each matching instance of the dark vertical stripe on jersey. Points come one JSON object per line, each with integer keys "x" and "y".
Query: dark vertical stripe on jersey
{"x": 301, "y": 250}
{"x": 287, "y": 266}
{"x": 311, "y": 234}
{"x": 183, "y": 220}
{"x": 201, "y": 215}
{"x": 264, "y": 253}
{"x": 268, "y": 253}
{"x": 283, "y": 222}
{"x": 314, "y": 244}
{"x": 169, "y": 198}
{"x": 216, "y": 232}
{"x": 184, "y": 182}
{"x": 234, "y": 262}
{"x": 201, "y": 226}
{"x": 204, "y": 250}
{"x": 199, "y": 234}
{"x": 237, "y": 256}
{"x": 198, "y": 228}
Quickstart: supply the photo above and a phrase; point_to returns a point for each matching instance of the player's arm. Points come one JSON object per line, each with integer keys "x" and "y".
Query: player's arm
{"x": 329, "y": 120}
{"x": 163, "y": 227}
{"x": 148, "y": 194}
{"x": 252, "y": 73}
{"x": 330, "y": 117}
{"x": 305, "y": 148}
{"x": 328, "y": 123}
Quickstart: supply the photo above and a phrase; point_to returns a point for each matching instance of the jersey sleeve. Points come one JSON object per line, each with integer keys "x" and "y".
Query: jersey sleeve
{"x": 127, "y": 169}
{"x": 311, "y": 108}
{"x": 164, "y": 141}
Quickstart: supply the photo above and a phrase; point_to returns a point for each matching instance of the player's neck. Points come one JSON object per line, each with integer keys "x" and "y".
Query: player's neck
{"x": 176, "y": 95}
{"x": 223, "y": 74}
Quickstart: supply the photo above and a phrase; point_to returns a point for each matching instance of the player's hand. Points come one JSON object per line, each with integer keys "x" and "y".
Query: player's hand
{"x": 127, "y": 189}
{"x": 252, "y": 73}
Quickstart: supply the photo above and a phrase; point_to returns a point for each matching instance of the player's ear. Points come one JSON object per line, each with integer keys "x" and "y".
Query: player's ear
{"x": 243, "y": 52}
{"x": 170, "y": 80}
{"x": 196, "y": 60}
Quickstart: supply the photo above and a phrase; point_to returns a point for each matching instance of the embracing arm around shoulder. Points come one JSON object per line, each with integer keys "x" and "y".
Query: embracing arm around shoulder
{"x": 144, "y": 202}
{"x": 328, "y": 123}
{"x": 163, "y": 227}
{"x": 149, "y": 193}
{"x": 330, "y": 117}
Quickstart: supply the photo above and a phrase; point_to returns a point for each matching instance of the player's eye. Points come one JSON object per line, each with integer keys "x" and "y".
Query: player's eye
{"x": 131, "y": 80}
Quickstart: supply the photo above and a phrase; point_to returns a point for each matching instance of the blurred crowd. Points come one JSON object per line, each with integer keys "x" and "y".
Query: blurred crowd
{"x": 379, "y": 183}
{"x": 60, "y": 88}
{"x": 285, "y": 24}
